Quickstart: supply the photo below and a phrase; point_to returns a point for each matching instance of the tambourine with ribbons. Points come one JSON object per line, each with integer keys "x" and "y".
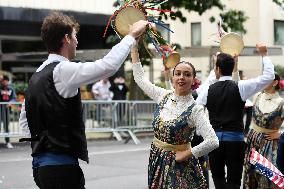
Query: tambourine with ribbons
{"x": 230, "y": 43}
{"x": 131, "y": 11}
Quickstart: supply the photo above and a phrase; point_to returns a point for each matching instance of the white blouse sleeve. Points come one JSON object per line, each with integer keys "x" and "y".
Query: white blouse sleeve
{"x": 203, "y": 128}
{"x": 154, "y": 92}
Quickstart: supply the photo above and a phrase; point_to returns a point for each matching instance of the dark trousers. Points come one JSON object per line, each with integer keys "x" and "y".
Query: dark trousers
{"x": 59, "y": 177}
{"x": 230, "y": 154}
{"x": 120, "y": 113}
{"x": 4, "y": 118}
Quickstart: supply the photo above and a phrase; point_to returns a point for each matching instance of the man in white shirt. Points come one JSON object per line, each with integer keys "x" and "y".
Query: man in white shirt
{"x": 225, "y": 101}
{"x": 101, "y": 90}
{"x": 52, "y": 111}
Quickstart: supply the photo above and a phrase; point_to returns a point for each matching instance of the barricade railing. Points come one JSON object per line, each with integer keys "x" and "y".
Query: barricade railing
{"x": 117, "y": 117}
{"x": 9, "y": 117}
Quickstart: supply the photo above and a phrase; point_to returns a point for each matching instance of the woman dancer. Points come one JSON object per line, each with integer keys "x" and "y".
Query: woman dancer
{"x": 264, "y": 133}
{"x": 172, "y": 162}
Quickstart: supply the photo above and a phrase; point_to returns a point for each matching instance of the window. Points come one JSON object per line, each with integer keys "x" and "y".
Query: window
{"x": 164, "y": 32}
{"x": 196, "y": 34}
{"x": 278, "y": 32}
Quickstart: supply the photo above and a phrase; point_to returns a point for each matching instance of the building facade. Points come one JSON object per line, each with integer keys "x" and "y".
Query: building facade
{"x": 265, "y": 24}
{"x": 20, "y": 23}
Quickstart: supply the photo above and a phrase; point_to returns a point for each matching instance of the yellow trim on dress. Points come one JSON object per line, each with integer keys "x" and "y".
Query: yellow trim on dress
{"x": 261, "y": 129}
{"x": 170, "y": 147}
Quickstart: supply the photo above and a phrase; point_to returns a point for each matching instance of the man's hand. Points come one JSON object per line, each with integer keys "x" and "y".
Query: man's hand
{"x": 236, "y": 60}
{"x": 138, "y": 28}
{"x": 262, "y": 49}
{"x": 183, "y": 155}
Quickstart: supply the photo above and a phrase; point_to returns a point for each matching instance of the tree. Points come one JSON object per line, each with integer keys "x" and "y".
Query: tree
{"x": 279, "y": 2}
{"x": 280, "y": 70}
{"x": 232, "y": 20}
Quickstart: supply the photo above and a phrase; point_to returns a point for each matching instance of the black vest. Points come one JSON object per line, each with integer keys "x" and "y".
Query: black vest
{"x": 55, "y": 123}
{"x": 225, "y": 106}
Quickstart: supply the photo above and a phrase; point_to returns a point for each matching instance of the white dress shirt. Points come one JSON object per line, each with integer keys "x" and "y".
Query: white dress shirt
{"x": 248, "y": 87}
{"x": 69, "y": 76}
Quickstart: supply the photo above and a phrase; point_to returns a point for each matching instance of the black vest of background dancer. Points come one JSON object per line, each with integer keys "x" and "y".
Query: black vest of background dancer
{"x": 225, "y": 106}
{"x": 55, "y": 123}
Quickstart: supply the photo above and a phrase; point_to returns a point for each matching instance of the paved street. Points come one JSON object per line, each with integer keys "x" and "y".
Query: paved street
{"x": 113, "y": 165}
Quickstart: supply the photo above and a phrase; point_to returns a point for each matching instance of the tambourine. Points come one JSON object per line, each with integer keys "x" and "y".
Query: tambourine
{"x": 170, "y": 56}
{"x": 132, "y": 11}
{"x": 232, "y": 43}
{"x": 125, "y": 17}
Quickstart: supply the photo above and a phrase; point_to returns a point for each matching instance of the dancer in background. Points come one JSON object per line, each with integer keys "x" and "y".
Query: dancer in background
{"x": 264, "y": 133}
{"x": 173, "y": 163}
{"x": 225, "y": 102}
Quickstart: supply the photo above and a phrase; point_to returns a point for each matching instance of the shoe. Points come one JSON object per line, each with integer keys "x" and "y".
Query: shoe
{"x": 9, "y": 145}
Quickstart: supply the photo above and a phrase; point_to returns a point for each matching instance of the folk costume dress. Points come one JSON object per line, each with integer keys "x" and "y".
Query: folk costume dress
{"x": 175, "y": 121}
{"x": 268, "y": 115}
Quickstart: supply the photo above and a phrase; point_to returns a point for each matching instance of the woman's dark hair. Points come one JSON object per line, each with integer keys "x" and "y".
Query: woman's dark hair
{"x": 277, "y": 78}
{"x": 54, "y": 27}
{"x": 184, "y": 62}
{"x": 226, "y": 64}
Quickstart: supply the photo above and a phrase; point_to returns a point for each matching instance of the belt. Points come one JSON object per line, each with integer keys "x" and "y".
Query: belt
{"x": 230, "y": 136}
{"x": 170, "y": 147}
{"x": 261, "y": 129}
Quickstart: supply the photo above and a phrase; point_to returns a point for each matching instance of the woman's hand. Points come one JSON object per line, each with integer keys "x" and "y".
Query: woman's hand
{"x": 183, "y": 155}
{"x": 134, "y": 54}
{"x": 273, "y": 135}
{"x": 167, "y": 73}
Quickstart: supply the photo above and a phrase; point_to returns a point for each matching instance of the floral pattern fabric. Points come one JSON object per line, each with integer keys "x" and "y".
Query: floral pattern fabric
{"x": 268, "y": 148}
{"x": 163, "y": 171}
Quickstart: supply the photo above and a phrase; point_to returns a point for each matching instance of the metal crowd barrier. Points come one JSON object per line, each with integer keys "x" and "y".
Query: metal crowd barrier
{"x": 121, "y": 118}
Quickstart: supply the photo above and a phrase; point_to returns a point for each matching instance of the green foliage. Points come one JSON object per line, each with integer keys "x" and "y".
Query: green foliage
{"x": 144, "y": 52}
{"x": 112, "y": 39}
{"x": 199, "y": 6}
{"x": 280, "y": 70}
{"x": 161, "y": 84}
{"x": 234, "y": 19}
{"x": 20, "y": 87}
{"x": 279, "y": 2}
